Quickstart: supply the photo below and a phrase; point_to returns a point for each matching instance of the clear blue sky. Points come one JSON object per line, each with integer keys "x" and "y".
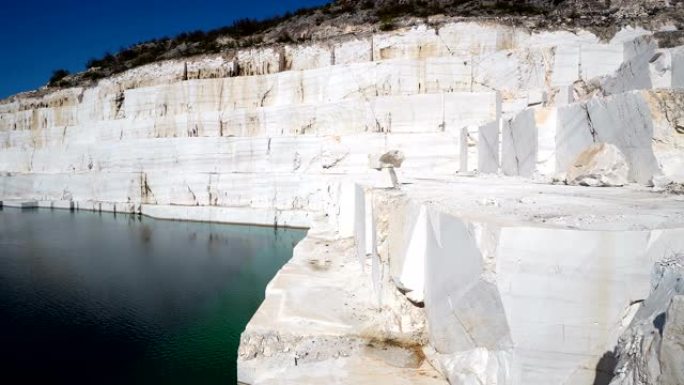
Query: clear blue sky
{"x": 39, "y": 36}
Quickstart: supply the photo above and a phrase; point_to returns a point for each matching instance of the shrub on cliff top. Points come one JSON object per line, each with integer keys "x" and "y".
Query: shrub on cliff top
{"x": 57, "y": 76}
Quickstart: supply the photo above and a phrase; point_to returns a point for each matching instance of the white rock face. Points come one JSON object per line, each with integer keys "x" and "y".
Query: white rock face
{"x": 461, "y": 280}
{"x": 600, "y": 165}
{"x": 519, "y": 145}
{"x": 522, "y": 303}
{"x": 488, "y": 148}
{"x": 650, "y": 351}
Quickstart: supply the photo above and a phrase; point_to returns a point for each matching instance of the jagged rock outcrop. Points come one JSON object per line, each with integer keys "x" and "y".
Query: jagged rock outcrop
{"x": 651, "y": 350}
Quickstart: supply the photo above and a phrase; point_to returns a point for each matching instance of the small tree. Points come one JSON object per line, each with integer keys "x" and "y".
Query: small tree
{"x": 57, "y": 76}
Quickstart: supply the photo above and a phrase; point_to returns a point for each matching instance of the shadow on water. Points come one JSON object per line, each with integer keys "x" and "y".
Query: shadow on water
{"x": 605, "y": 369}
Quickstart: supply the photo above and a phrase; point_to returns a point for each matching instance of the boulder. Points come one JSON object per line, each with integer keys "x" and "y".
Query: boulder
{"x": 390, "y": 159}
{"x": 601, "y": 164}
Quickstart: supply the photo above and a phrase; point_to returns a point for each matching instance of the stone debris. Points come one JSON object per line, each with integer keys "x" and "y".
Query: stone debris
{"x": 675, "y": 188}
{"x": 601, "y": 165}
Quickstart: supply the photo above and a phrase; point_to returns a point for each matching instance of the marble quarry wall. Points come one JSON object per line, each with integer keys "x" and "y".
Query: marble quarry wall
{"x": 390, "y": 286}
{"x": 274, "y": 128}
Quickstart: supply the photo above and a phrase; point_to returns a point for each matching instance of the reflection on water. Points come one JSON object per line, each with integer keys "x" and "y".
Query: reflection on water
{"x": 104, "y": 299}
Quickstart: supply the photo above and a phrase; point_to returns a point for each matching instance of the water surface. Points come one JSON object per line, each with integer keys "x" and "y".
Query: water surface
{"x": 88, "y": 298}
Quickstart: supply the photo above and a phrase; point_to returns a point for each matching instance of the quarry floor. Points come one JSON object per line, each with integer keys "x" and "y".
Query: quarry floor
{"x": 517, "y": 201}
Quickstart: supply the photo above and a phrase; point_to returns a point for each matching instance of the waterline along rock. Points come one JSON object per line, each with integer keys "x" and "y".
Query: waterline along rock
{"x": 496, "y": 261}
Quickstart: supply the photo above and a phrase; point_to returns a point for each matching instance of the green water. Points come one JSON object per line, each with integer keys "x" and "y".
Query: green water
{"x": 88, "y": 298}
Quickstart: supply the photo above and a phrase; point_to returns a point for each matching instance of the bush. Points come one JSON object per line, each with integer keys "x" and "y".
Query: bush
{"x": 57, "y": 76}
{"x": 285, "y": 37}
{"x": 367, "y": 4}
{"x": 93, "y": 75}
{"x": 392, "y": 10}
{"x": 508, "y": 7}
{"x": 387, "y": 24}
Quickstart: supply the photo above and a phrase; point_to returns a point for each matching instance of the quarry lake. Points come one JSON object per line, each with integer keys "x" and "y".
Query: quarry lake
{"x": 89, "y": 298}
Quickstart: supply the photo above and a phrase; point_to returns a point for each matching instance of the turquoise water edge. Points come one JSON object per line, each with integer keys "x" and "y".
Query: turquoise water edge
{"x": 120, "y": 299}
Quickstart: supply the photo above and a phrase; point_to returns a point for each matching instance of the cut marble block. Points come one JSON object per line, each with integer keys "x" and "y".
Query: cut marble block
{"x": 625, "y": 120}
{"x": 258, "y": 61}
{"x": 418, "y": 42}
{"x": 349, "y": 154}
{"x": 407, "y": 249}
{"x": 463, "y": 150}
{"x": 476, "y": 108}
{"x": 320, "y": 323}
{"x": 464, "y": 310}
{"x": 508, "y": 72}
{"x": 102, "y": 187}
{"x": 397, "y": 77}
{"x": 565, "y": 96}
{"x": 107, "y": 207}
{"x": 566, "y": 65}
{"x": 488, "y": 148}
{"x": 639, "y": 42}
{"x": 327, "y": 84}
{"x": 600, "y": 59}
{"x": 471, "y": 150}
{"x": 275, "y": 191}
{"x": 512, "y": 301}
{"x": 456, "y": 295}
{"x": 633, "y": 74}
{"x": 360, "y": 222}
{"x": 677, "y": 55}
{"x": 303, "y": 57}
{"x": 353, "y": 51}
{"x": 446, "y": 73}
{"x": 536, "y": 97}
{"x": 474, "y": 38}
{"x": 378, "y": 272}
{"x": 546, "y": 120}
{"x": 519, "y": 145}
{"x": 417, "y": 113}
{"x": 668, "y": 121}
{"x": 233, "y": 215}
{"x": 642, "y": 124}
{"x": 20, "y": 204}
{"x": 573, "y": 134}
{"x": 588, "y": 289}
{"x": 60, "y": 204}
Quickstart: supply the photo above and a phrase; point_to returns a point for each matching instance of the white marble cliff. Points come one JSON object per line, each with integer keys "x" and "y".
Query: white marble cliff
{"x": 536, "y": 190}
